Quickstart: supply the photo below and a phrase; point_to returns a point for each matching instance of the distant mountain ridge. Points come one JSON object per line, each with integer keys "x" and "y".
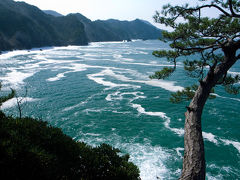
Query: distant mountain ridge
{"x": 23, "y": 26}
{"x": 53, "y": 13}
{"x": 115, "y": 30}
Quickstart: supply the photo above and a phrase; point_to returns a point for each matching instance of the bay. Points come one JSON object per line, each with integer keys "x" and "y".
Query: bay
{"x": 102, "y": 93}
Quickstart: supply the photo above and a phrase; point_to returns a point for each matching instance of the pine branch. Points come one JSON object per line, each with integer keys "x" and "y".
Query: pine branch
{"x": 210, "y": 6}
{"x": 232, "y": 11}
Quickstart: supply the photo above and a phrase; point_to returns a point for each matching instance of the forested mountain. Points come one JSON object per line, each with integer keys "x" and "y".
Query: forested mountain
{"x": 115, "y": 30}
{"x": 23, "y": 26}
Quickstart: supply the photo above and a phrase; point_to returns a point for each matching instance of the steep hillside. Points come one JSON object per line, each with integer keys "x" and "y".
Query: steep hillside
{"x": 115, "y": 30}
{"x": 24, "y": 26}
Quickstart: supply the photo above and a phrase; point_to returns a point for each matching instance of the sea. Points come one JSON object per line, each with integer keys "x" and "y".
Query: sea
{"x": 102, "y": 93}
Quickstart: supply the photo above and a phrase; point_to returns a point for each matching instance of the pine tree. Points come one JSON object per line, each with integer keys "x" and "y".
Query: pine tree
{"x": 216, "y": 42}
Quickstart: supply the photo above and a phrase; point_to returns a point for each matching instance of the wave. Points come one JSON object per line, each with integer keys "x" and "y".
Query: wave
{"x": 10, "y": 54}
{"x": 233, "y": 143}
{"x": 100, "y": 80}
{"x": 13, "y": 102}
{"x": 162, "y": 115}
{"x": 235, "y": 99}
{"x": 167, "y": 85}
{"x": 178, "y": 152}
{"x": 73, "y": 107}
{"x": 220, "y": 171}
{"x": 147, "y": 64}
{"x": 151, "y": 160}
{"x": 58, "y": 77}
{"x": 81, "y": 103}
{"x": 119, "y": 96}
{"x": 234, "y": 73}
{"x": 208, "y": 136}
{"x": 15, "y": 78}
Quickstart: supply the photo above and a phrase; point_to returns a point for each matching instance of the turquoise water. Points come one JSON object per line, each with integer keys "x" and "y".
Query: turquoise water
{"x": 101, "y": 93}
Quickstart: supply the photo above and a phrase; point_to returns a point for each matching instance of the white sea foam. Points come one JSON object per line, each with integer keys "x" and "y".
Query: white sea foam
{"x": 234, "y": 73}
{"x": 94, "y": 110}
{"x": 230, "y": 142}
{"x": 58, "y": 77}
{"x": 179, "y": 132}
{"x": 117, "y": 56}
{"x": 13, "y": 102}
{"x": 147, "y": 64}
{"x": 80, "y": 104}
{"x": 149, "y": 159}
{"x": 92, "y": 134}
{"x": 141, "y": 110}
{"x": 110, "y": 96}
{"x": 98, "y": 78}
{"x": 16, "y": 78}
{"x": 74, "y": 67}
{"x": 10, "y": 54}
{"x": 178, "y": 150}
{"x": 72, "y": 107}
{"x": 221, "y": 171}
{"x": 119, "y": 96}
{"x": 235, "y": 99}
{"x": 167, "y": 85}
{"x": 162, "y": 115}
{"x": 210, "y": 137}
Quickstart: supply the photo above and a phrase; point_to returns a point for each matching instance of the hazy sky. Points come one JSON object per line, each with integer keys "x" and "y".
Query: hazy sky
{"x": 106, "y": 9}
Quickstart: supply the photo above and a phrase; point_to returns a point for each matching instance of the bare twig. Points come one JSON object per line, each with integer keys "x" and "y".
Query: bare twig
{"x": 19, "y": 103}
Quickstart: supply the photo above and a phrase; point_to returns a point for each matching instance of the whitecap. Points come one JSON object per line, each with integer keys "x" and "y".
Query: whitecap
{"x": 178, "y": 150}
{"x": 167, "y": 85}
{"x": 72, "y": 107}
{"x": 235, "y": 99}
{"x": 119, "y": 96}
{"x": 179, "y": 132}
{"x": 13, "y": 102}
{"x": 92, "y": 134}
{"x": 58, "y": 77}
{"x": 94, "y": 110}
{"x": 10, "y": 54}
{"x": 146, "y": 64}
{"x": 233, "y": 143}
{"x": 141, "y": 110}
{"x": 150, "y": 160}
{"x": 210, "y": 137}
{"x": 234, "y": 73}
{"x": 97, "y": 77}
{"x": 16, "y": 78}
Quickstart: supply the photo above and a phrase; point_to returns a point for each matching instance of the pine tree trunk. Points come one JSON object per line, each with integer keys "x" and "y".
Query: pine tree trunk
{"x": 194, "y": 159}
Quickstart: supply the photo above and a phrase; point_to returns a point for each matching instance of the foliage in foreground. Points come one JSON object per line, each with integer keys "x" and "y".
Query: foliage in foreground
{"x": 32, "y": 149}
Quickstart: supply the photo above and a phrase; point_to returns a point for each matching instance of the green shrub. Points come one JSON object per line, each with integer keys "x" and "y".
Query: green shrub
{"x": 32, "y": 149}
